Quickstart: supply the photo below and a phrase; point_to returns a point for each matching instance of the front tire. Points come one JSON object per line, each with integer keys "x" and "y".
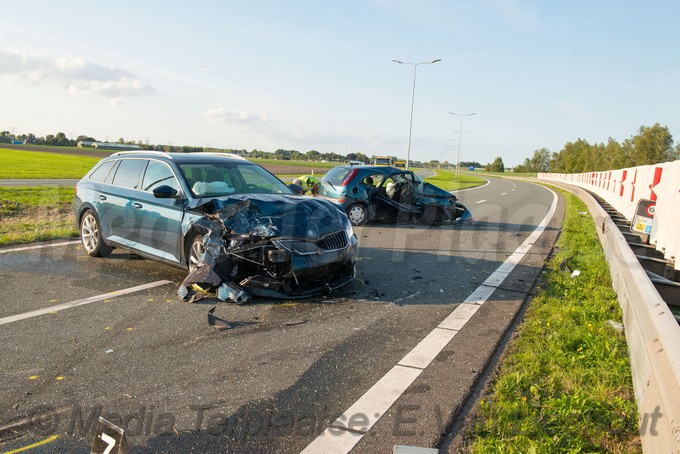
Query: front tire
{"x": 357, "y": 214}
{"x": 91, "y": 236}
{"x": 432, "y": 215}
{"x": 195, "y": 249}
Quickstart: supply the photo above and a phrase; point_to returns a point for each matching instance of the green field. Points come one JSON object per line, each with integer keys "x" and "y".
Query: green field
{"x": 30, "y": 214}
{"x": 565, "y": 382}
{"x": 447, "y": 180}
{"x": 37, "y": 164}
{"x": 276, "y": 162}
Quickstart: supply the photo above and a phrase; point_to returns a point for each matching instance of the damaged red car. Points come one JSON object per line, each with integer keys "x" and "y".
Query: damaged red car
{"x": 234, "y": 226}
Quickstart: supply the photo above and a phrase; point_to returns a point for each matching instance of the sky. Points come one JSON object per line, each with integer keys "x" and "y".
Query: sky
{"x": 319, "y": 75}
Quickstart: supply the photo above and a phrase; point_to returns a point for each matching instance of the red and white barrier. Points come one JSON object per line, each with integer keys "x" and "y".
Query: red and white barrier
{"x": 623, "y": 188}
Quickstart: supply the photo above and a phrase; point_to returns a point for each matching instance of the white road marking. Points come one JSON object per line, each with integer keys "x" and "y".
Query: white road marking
{"x": 82, "y": 302}
{"x": 428, "y": 348}
{"x": 481, "y": 201}
{"x": 364, "y": 413}
{"x": 39, "y": 246}
{"x": 487, "y": 182}
{"x": 344, "y": 434}
{"x": 459, "y": 317}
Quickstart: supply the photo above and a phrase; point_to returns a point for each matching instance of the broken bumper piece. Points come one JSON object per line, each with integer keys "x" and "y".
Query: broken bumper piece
{"x": 230, "y": 291}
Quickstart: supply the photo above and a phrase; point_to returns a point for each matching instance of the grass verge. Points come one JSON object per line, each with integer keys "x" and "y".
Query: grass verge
{"x": 37, "y": 164}
{"x": 447, "y": 180}
{"x": 30, "y": 214}
{"x": 565, "y": 382}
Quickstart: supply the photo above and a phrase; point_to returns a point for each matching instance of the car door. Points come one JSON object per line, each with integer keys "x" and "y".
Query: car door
{"x": 159, "y": 220}
{"x": 116, "y": 200}
{"x": 394, "y": 195}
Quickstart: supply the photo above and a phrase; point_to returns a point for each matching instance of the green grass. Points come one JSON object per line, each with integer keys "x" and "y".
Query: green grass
{"x": 37, "y": 164}
{"x": 30, "y": 214}
{"x": 565, "y": 383}
{"x": 510, "y": 174}
{"x": 316, "y": 164}
{"x": 447, "y": 180}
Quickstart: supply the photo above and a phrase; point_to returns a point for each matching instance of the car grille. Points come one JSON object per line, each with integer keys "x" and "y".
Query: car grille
{"x": 332, "y": 242}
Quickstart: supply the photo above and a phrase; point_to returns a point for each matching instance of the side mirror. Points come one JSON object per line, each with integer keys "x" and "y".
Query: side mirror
{"x": 165, "y": 192}
{"x": 296, "y": 188}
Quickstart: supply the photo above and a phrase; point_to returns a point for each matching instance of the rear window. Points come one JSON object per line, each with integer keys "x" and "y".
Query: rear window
{"x": 129, "y": 172}
{"x": 102, "y": 171}
{"x": 336, "y": 175}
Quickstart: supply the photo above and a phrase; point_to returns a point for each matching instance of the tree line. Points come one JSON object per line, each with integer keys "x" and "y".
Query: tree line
{"x": 651, "y": 145}
{"x": 61, "y": 140}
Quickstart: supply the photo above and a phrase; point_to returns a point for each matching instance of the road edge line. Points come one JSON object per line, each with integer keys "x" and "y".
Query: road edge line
{"x": 343, "y": 441}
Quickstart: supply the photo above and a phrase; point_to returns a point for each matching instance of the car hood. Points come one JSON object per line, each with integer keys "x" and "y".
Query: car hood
{"x": 430, "y": 190}
{"x": 271, "y": 216}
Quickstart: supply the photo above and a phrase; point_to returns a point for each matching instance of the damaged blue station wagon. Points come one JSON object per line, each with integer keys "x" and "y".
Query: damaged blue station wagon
{"x": 237, "y": 228}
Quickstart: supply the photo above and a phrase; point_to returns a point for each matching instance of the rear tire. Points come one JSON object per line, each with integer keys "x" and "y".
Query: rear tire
{"x": 91, "y": 236}
{"x": 357, "y": 214}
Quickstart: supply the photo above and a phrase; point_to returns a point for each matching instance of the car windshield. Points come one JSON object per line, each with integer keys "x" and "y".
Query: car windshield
{"x": 217, "y": 179}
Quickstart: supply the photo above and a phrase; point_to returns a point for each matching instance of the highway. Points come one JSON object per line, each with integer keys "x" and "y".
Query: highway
{"x": 382, "y": 362}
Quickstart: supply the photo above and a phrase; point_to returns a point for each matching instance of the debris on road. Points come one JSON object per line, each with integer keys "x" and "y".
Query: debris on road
{"x": 215, "y": 321}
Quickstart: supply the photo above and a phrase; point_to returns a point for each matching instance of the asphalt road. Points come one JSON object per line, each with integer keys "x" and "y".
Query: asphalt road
{"x": 38, "y": 182}
{"x": 371, "y": 359}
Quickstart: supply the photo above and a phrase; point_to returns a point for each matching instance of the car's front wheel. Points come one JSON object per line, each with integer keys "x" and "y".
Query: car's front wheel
{"x": 91, "y": 236}
{"x": 195, "y": 250}
{"x": 357, "y": 214}
{"x": 432, "y": 215}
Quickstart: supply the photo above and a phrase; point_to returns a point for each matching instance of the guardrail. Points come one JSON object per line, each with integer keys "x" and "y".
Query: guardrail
{"x": 623, "y": 189}
{"x": 652, "y": 334}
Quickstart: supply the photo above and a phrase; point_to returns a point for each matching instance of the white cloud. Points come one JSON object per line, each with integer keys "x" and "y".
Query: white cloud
{"x": 237, "y": 119}
{"x": 79, "y": 76}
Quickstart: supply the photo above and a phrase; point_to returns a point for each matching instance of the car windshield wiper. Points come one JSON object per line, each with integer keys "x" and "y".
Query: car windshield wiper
{"x": 331, "y": 184}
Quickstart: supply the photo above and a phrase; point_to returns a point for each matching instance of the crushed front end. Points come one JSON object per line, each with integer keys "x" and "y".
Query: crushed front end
{"x": 272, "y": 246}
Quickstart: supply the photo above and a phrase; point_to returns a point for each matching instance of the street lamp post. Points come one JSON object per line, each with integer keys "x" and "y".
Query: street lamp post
{"x": 460, "y": 138}
{"x": 413, "y": 97}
